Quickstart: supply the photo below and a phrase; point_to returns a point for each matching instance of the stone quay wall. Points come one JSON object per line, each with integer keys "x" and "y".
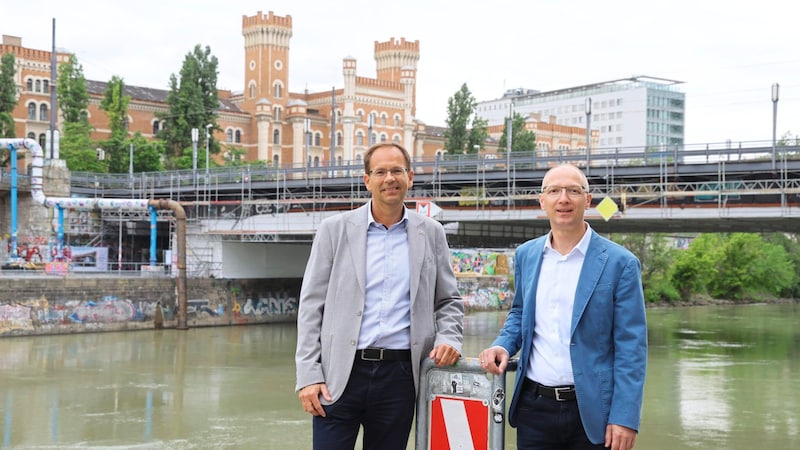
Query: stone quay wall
{"x": 42, "y": 305}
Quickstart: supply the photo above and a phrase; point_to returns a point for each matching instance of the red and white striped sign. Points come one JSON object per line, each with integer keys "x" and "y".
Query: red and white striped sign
{"x": 459, "y": 423}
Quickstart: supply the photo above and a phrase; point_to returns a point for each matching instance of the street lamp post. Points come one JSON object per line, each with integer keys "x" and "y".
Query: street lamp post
{"x": 588, "y": 131}
{"x": 509, "y": 133}
{"x": 195, "y": 136}
{"x": 775, "y": 88}
{"x": 208, "y": 143}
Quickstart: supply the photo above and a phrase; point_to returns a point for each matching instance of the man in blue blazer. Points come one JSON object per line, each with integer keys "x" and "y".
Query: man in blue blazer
{"x": 578, "y": 323}
{"x": 378, "y": 297}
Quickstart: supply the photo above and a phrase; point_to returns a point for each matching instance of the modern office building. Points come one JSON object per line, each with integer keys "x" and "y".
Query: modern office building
{"x": 630, "y": 113}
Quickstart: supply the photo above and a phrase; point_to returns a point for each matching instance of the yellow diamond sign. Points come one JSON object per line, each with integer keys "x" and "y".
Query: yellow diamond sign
{"x": 607, "y": 208}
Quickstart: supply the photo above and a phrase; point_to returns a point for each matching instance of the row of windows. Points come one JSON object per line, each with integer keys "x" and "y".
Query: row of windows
{"x": 42, "y": 138}
{"x": 277, "y": 89}
{"x": 37, "y": 85}
{"x": 317, "y": 138}
{"x": 43, "y": 110}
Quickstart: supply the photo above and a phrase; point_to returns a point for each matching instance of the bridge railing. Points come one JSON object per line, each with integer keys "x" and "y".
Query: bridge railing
{"x": 229, "y": 177}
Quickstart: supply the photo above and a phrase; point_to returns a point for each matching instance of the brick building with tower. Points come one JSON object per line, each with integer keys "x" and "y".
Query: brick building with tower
{"x": 268, "y": 120}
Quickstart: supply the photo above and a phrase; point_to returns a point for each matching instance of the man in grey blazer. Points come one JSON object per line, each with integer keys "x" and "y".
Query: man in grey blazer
{"x": 378, "y": 296}
{"x": 578, "y": 321}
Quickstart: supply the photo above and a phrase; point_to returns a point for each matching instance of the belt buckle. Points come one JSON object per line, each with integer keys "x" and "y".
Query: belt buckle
{"x": 557, "y": 391}
{"x": 364, "y": 356}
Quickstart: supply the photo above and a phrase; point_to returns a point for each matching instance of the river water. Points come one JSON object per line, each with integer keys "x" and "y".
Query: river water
{"x": 719, "y": 377}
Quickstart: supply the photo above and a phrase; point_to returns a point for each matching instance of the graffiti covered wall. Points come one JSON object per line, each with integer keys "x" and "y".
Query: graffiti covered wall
{"x": 485, "y": 277}
{"x": 54, "y": 305}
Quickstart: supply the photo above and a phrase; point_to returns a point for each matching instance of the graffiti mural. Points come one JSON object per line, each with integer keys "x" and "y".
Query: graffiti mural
{"x": 269, "y": 306}
{"x": 485, "y": 277}
{"x": 108, "y": 310}
{"x": 15, "y": 318}
{"x": 481, "y": 262}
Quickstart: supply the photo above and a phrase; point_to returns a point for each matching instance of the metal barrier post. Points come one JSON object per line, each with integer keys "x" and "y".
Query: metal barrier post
{"x": 461, "y": 407}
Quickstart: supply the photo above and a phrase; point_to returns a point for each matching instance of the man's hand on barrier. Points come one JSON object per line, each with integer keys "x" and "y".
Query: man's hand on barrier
{"x": 494, "y": 360}
{"x": 444, "y": 355}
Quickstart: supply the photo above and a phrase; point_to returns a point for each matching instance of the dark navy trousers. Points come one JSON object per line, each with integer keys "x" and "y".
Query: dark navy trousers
{"x": 547, "y": 424}
{"x": 380, "y": 398}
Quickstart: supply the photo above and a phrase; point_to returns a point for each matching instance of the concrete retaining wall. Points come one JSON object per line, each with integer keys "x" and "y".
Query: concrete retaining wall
{"x": 38, "y": 305}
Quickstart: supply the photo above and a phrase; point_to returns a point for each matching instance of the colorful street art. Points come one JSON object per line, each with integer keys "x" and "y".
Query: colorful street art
{"x": 485, "y": 277}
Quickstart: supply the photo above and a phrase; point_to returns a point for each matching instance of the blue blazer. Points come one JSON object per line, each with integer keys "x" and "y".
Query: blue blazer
{"x": 609, "y": 333}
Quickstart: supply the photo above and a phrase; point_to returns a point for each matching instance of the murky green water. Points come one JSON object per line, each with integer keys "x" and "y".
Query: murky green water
{"x": 718, "y": 378}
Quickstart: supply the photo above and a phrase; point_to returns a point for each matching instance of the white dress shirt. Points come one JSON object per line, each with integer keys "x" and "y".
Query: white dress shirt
{"x": 550, "y": 362}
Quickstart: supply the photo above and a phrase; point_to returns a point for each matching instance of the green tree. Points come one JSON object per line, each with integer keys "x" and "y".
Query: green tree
{"x": 235, "y": 156}
{"x": 8, "y": 96}
{"x": 115, "y": 104}
{"x": 464, "y": 129}
{"x": 148, "y": 156}
{"x": 791, "y": 244}
{"x": 477, "y": 135}
{"x": 695, "y": 267}
{"x": 193, "y": 102}
{"x": 76, "y": 146}
{"x": 748, "y": 267}
{"x": 78, "y": 150}
{"x": 656, "y": 255}
{"x": 522, "y": 140}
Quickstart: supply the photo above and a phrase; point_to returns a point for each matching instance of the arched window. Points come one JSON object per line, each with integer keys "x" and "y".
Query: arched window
{"x": 276, "y": 114}
{"x": 359, "y": 138}
{"x": 360, "y": 115}
{"x": 317, "y": 139}
{"x": 278, "y": 90}
{"x": 155, "y": 127}
{"x": 397, "y": 120}
{"x": 46, "y": 86}
{"x": 31, "y": 111}
{"x": 338, "y": 138}
{"x": 275, "y": 160}
{"x": 252, "y": 89}
{"x": 229, "y": 135}
{"x": 43, "y": 112}
{"x": 383, "y": 137}
{"x": 396, "y": 138}
{"x": 31, "y": 135}
{"x": 316, "y": 161}
{"x": 38, "y": 86}
{"x": 359, "y": 158}
{"x": 29, "y": 85}
{"x": 276, "y": 136}
{"x": 338, "y": 160}
{"x": 237, "y": 136}
{"x": 42, "y": 140}
{"x": 383, "y": 118}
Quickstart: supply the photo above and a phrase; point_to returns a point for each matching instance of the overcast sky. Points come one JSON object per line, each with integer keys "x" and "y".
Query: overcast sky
{"x": 727, "y": 54}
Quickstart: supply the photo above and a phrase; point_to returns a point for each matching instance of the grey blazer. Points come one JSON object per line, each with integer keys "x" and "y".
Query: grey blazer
{"x": 333, "y": 294}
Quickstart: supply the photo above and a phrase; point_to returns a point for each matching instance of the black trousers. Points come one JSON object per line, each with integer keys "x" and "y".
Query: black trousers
{"x": 379, "y": 397}
{"x": 545, "y": 423}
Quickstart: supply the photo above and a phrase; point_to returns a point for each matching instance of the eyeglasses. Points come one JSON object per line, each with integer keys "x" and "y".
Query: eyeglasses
{"x": 396, "y": 172}
{"x": 555, "y": 191}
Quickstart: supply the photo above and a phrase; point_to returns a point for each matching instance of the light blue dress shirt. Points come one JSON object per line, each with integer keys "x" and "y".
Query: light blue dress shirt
{"x": 386, "y": 322}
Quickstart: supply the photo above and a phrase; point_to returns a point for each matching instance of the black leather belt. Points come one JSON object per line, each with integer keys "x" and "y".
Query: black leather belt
{"x": 383, "y": 354}
{"x": 557, "y": 393}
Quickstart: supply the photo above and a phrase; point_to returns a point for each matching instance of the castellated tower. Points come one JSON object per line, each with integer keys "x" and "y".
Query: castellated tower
{"x": 395, "y": 60}
{"x": 266, "y": 58}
